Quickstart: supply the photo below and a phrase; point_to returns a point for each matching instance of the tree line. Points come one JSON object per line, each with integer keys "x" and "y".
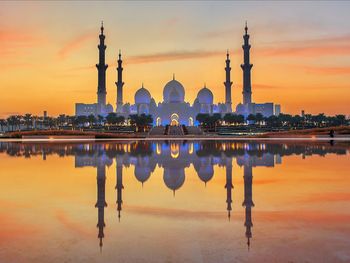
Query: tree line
{"x": 31, "y": 122}
{"x": 282, "y": 120}
{"x": 144, "y": 122}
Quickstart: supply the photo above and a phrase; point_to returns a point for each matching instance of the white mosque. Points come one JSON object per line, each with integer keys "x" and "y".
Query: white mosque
{"x": 174, "y": 110}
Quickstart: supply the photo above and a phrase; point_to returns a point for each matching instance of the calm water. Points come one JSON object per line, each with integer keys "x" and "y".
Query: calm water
{"x": 208, "y": 201}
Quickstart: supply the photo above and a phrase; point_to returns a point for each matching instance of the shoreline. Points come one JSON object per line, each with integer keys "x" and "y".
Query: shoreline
{"x": 207, "y": 138}
{"x": 342, "y": 133}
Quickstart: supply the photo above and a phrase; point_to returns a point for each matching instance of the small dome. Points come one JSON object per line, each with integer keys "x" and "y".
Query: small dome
{"x": 205, "y": 96}
{"x": 170, "y": 88}
{"x": 142, "y": 95}
{"x": 142, "y": 173}
{"x": 204, "y": 169}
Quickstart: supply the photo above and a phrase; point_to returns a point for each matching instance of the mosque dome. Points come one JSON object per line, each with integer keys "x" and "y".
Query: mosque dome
{"x": 204, "y": 170}
{"x": 205, "y": 96}
{"x": 174, "y": 96}
{"x": 174, "y": 89}
{"x": 142, "y": 95}
{"x": 174, "y": 178}
{"x": 143, "y": 169}
{"x": 142, "y": 173}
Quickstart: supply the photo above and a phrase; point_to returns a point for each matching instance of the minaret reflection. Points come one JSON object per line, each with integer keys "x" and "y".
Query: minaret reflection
{"x": 119, "y": 184}
{"x": 248, "y": 200}
{"x": 101, "y": 201}
{"x": 229, "y": 187}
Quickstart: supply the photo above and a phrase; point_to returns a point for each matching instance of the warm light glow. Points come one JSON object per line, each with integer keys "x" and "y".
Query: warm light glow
{"x": 175, "y": 150}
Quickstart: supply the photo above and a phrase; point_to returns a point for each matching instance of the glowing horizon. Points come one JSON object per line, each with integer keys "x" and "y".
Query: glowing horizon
{"x": 300, "y": 55}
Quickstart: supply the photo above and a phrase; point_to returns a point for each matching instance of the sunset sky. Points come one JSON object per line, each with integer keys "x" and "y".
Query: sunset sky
{"x": 300, "y": 51}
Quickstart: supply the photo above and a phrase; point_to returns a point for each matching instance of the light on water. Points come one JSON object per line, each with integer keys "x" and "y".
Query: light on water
{"x": 175, "y": 201}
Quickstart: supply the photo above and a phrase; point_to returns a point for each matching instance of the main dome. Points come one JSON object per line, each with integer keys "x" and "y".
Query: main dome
{"x": 142, "y": 95}
{"x": 205, "y": 96}
{"x": 173, "y": 89}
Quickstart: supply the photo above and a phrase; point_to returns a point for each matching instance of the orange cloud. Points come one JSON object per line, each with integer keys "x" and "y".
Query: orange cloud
{"x": 13, "y": 229}
{"x": 262, "y": 86}
{"x": 173, "y": 213}
{"x": 171, "y": 56}
{"x": 310, "y": 217}
{"x": 266, "y": 181}
{"x": 327, "y": 197}
{"x": 305, "y": 51}
{"x": 75, "y": 44}
{"x": 76, "y": 227}
{"x": 12, "y": 41}
{"x": 326, "y": 70}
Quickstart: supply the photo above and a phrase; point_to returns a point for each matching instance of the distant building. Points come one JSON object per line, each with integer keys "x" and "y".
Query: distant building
{"x": 277, "y": 109}
{"x": 174, "y": 110}
{"x": 86, "y": 109}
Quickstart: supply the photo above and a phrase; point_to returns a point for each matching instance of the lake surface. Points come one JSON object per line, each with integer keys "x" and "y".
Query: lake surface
{"x": 174, "y": 201}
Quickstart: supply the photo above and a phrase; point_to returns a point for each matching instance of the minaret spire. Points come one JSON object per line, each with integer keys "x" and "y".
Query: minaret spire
{"x": 119, "y": 84}
{"x": 228, "y": 84}
{"x": 246, "y": 67}
{"x": 119, "y": 185}
{"x": 101, "y": 201}
{"x": 248, "y": 200}
{"x": 229, "y": 187}
{"x": 101, "y": 69}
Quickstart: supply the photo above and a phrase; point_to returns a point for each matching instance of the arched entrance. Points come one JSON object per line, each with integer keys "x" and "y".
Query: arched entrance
{"x": 174, "y": 119}
{"x": 190, "y": 121}
{"x": 159, "y": 121}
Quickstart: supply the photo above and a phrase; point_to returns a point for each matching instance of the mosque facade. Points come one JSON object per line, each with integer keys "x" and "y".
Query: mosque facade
{"x": 174, "y": 109}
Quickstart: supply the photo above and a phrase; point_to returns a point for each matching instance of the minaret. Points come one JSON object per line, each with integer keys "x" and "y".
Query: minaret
{"x": 229, "y": 187}
{"x": 101, "y": 69}
{"x": 101, "y": 201}
{"x": 246, "y": 67}
{"x": 120, "y": 84}
{"x": 119, "y": 184}
{"x": 228, "y": 84}
{"x": 248, "y": 200}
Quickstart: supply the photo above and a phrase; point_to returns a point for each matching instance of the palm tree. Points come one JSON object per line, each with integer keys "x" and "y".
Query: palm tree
{"x": 251, "y": 118}
{"x": 202, "y": 118}
{"x": 341, "y": 119}
{"x": 81, "y": 120}
{"x": 91, "y": 119}
{"x": 319, "y": 119}
{"x": 273, "y": 121}
{"x": 259, "y": 118}
{"x": 120, "y": 120}
{"x": 100, "y": 119}
{"x": 239, "y": 119}
{"x": 141, "y": 121}
{"x": 13, "y": 121}
{"x": 2, "y": 124}
{"x": 28, "y": 120}
{"x": 72, "y": 120}
{"x": 215, "y": 119}
{"x": 61, "y": 120}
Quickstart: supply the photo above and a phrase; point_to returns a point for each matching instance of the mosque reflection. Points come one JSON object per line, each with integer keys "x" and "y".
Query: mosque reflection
{"x": 173, "y": 157}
